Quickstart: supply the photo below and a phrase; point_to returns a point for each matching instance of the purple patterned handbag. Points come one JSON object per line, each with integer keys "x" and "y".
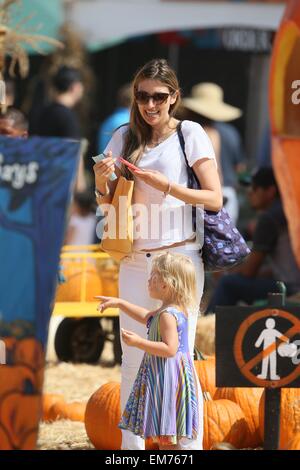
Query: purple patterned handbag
{"x": 223, "y": 245}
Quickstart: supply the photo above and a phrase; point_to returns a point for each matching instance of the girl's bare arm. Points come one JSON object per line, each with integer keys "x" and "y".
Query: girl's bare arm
{"x": 134, "y": 311}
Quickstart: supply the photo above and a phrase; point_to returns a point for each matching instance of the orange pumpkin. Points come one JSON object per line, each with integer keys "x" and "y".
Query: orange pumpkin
{"x": 294, "y": 443}
{"x": 15, "y": 378}
{"x": 74, "y": 411}
{"x": 289, "y": 415}
{"x": 206, "y": 372}
{"x": 29, "y": 352}
{"x": 248, "y": 400}
{"x": 19, "y": 417}
{"x": 150, "y": 445}
{"x": 49, "y": 399}
{"x": 224, "y": 421}
{"x": 82, "y": 282}
{"x": 102, "y": 416}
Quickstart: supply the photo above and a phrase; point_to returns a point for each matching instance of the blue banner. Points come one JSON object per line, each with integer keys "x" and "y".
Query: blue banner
{"x": 36, "y": 177}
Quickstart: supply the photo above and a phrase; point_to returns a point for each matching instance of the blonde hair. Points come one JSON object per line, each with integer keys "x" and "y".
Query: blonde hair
{"x": 178, "y": 272}
{"x": 139, "y": 132}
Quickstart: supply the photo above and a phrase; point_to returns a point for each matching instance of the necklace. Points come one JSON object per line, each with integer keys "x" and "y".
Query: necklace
{"x": 156, "y": 142}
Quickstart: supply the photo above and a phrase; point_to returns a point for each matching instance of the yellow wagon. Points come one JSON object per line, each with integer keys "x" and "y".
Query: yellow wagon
{"x": 86, "y": 271}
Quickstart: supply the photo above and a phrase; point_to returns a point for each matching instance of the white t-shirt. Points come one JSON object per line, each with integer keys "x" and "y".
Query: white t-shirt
{"x": 158, "y": 220}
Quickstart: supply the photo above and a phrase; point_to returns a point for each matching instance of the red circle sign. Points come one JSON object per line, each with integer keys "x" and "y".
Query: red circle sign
{"x": 246, "y": 367}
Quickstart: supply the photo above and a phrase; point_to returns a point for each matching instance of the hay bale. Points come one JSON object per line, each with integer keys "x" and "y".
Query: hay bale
{"x": 205, "y": 334}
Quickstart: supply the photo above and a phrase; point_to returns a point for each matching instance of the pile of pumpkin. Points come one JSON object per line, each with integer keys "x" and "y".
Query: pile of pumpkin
{"x": 231, "y": 415}
{"x": 55, "y": 407}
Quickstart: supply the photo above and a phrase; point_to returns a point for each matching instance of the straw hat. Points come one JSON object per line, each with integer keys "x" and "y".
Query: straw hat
{"x": 207, "y": 99}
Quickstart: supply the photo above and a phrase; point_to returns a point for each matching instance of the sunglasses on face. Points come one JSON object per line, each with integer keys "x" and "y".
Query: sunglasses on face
{"x": 142, "y": 97}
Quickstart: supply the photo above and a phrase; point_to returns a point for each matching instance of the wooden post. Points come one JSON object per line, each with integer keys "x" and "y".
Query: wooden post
{"x": 272, "y": 418}
{"x": 273, "y": 395}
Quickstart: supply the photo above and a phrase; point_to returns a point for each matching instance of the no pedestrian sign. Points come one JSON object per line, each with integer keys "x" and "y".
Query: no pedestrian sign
{"x": 258, "y": 347}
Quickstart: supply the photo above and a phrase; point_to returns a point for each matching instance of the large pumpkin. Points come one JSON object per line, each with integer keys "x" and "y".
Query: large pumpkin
{"x": 82, "y": 282}
{"x": 294, "y": 443}
{"x": 289, "y": 415}
{"x": 102, "y": 416}
{"x": 248, "y": 400}
{"x": 206, "y": 372}
{"x": 224, "y": 421}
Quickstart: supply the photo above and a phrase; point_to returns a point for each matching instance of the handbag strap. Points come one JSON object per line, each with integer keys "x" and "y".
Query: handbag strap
{"x": 193, "y": 181}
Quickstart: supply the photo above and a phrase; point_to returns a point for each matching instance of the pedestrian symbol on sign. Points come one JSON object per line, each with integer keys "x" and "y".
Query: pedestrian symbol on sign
{"x": 268, "y": 338}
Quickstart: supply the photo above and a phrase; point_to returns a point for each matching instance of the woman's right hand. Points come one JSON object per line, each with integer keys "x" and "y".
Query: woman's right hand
{"x": 108, "y": 302}
{"x": 103, "y": 170}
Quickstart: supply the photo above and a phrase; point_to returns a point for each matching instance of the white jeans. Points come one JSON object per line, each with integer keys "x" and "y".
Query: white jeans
{"x": 133, "y": 277}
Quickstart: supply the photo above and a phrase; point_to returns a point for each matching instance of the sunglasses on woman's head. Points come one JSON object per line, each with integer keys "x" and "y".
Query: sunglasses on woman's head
{"x": 142, "y": 97}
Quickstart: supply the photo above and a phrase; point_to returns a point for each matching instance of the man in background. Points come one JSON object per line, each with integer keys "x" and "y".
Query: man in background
{"x": 58, "y": 118}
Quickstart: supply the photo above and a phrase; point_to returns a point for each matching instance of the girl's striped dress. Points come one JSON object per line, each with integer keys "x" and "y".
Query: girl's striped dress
{"x": 163, "y": 401}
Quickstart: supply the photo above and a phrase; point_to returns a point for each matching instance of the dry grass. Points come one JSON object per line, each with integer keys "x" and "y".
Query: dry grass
{"x": 205, "y": 334}
{"x": 75, "y": 382}
{"x": 63, "y": 435}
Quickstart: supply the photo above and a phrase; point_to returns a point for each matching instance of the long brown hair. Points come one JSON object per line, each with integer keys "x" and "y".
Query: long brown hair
{"x": 139, "y": 132}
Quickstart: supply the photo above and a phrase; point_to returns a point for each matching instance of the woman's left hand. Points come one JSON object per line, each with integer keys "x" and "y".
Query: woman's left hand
{"x": 130, "y": 338}
{"x": 153, "y": 178}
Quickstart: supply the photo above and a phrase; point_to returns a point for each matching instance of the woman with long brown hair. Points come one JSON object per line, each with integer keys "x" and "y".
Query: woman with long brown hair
{"x": 161, "y": 202}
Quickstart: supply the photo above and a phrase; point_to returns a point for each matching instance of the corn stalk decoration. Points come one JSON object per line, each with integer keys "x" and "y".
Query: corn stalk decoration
{"x": 11, "y": 39}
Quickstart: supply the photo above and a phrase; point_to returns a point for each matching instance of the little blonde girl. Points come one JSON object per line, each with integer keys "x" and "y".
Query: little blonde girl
{"x": 163, "y": 403}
